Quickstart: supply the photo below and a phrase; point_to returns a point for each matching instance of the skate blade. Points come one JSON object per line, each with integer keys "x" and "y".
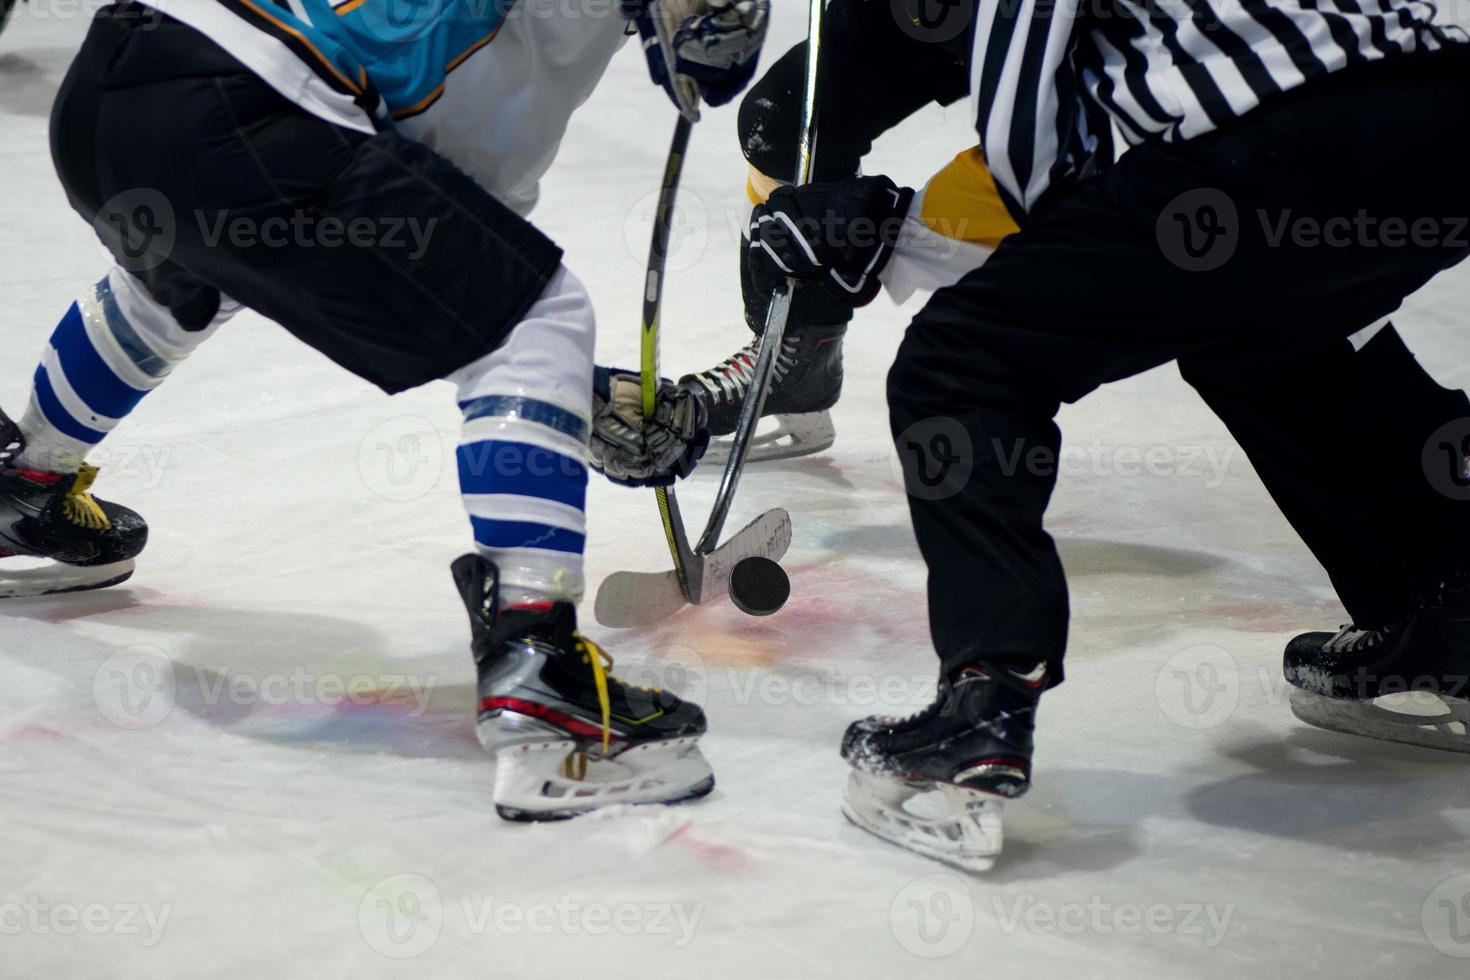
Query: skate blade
{"x": 532, "y": 782}
{"x": 627, "y": 600}
{"x": 57, "y": 578}
{"x": 969, "y": 837}
{"x": 794, "y": 436}
{"x": 1412, "y": 718}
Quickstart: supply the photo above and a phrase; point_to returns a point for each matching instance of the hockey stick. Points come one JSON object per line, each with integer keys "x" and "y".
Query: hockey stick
{"x": 780, "y": 308}
{"x": 643, "y": 598}
{"x": 628, "y": 599}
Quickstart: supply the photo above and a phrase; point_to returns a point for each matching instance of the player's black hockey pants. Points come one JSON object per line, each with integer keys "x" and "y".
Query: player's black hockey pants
{"x": 1249, "y": 255}
{"x": 203, "y": 181}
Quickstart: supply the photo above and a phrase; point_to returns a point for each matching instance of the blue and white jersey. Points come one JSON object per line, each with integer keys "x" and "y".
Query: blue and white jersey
{"x": 490, "y": 84}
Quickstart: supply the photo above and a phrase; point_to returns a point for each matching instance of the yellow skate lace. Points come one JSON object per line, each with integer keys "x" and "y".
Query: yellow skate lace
{"x": 602, "y": 663}
{"x": 80, "y": 507}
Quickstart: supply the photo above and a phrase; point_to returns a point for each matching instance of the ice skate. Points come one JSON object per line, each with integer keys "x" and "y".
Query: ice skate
{"x": 935, "y": 782}
{"x": 568, "y": 738}
{"x": 806, "y": 382}
{"x": 1408, "y": 681}
{"x": 90, "y": 543}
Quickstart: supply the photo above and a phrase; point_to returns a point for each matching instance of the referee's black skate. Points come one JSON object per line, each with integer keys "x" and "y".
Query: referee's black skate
{"x": 806, "y": 382}
{"x": 1407, "y": 681}
{"x": 935, "y": 782}
{"x": 89, "y": 543}
{"x": 566, "y": 736}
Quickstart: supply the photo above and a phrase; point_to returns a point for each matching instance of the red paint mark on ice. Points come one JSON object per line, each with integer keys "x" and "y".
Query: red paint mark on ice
{"x": 724, "y": 858}
{"x": 28, "y": 733}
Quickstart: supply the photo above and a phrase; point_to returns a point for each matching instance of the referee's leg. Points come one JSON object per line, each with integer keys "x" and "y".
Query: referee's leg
{"x": 1104, "y": 285}
{"x": 1338, "y": 433}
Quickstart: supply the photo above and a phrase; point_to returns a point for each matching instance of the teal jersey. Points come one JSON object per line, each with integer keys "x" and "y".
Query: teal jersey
{"x": 402, "y": 50}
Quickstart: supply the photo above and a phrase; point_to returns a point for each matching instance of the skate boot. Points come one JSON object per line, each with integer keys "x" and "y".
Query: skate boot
{"x": 935, "y": 782}
{"x": 806, "y": 382}
{"x": 1407, "y": 681}
{"x": 91, "y": 543}
{"x": 568, "y": 738}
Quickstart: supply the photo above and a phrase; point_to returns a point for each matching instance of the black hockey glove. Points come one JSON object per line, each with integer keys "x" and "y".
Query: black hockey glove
{"x": 714, "y": 46}
{"x": 841, "y": 235}
{"x": 628, "y": 451}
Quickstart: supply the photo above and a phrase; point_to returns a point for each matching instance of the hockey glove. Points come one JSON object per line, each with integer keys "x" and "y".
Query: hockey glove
{"x": 841, "y": 235}
{"x": 629, "y": 451}
{"x": 714, "y": 46}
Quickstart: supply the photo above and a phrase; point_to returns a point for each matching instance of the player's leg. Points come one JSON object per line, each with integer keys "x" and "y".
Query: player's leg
{"x": 1086, "y": 294}
{"x": 121, "y": 339}
{"x": 1353, "y": 459}
{"x": 356, "y": 243}
{"x": 873, "y": 76}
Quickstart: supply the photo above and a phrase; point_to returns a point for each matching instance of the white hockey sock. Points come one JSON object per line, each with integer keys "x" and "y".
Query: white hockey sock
{"x": 522, "y": 456}
{"x": 114, "y": 345}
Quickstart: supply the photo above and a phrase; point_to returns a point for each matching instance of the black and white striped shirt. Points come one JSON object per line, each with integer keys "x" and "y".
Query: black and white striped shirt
{"x": 1049, "y": 76}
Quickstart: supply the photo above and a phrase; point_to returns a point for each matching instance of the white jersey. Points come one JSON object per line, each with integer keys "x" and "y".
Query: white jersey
{"x": 505, "y": 111}
{"x": 493, "y": 94}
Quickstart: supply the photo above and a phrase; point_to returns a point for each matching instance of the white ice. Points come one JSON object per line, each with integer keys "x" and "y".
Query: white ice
{"x": 186, "y": 791}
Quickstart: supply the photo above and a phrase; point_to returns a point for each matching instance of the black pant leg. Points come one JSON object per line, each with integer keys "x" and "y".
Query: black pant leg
{"x": 1337, "y": 435}
{"x": 1088, "y": 292}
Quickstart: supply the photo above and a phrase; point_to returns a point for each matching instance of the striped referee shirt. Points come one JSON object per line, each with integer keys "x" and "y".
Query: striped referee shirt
{"x": 1048, "y": 77}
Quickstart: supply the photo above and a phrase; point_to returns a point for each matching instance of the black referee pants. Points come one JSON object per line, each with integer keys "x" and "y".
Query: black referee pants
{"x": 1249, "y": 255}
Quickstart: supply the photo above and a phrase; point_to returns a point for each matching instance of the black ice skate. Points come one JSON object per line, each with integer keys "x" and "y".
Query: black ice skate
{"x": 806, "y": 382}
{"x": 1408, "y": 681}
{"x": 91, "y": 543}
{"x": 971, "y": 749}
{"x": 568, "y": 738}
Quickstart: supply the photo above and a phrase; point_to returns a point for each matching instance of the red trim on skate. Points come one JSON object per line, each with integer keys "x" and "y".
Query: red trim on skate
{"x": 986, "y": 671}
{"x": 539, "y": 606}
{"x": 41, "y": 476}
{"x": 530, "y": 708}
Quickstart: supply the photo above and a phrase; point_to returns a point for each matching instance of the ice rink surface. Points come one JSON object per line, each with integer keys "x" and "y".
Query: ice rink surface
{"x": 257, "y": 757}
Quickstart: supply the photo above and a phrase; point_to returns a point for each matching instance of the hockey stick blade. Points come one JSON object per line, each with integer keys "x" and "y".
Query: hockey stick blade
{"x": 628, "y": 600}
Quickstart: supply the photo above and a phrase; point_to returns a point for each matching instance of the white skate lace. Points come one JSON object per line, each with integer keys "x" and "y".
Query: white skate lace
{"x": 732, "y": 377}
{"x": 1352, "y": 638}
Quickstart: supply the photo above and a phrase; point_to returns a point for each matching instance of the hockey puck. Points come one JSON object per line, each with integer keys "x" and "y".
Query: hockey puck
{"x": 759, "y": 586}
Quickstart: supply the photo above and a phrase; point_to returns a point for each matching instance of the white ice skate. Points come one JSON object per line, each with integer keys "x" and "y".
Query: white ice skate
{"x": 964, "y": 828}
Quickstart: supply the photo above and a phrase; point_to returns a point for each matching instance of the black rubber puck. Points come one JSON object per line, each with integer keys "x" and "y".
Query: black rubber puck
{"x": 759, "y": 586}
